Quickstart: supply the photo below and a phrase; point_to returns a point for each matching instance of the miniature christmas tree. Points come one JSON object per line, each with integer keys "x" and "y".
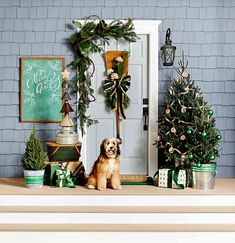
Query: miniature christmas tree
{"x": 66, "y": 135}
{"x": 34, "y": 157}
{"x": 187, "y": 131}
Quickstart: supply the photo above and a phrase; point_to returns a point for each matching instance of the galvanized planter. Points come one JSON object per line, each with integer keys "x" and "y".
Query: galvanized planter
{"x": 203, "y": 176}
{"x": 34, "y": 178}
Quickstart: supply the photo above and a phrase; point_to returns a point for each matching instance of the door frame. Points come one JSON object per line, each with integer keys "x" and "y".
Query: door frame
{"x": 151, "y": 29}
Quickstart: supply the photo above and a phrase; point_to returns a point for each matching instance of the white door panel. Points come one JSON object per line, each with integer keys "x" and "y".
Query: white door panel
{"x": 134, "y": 147}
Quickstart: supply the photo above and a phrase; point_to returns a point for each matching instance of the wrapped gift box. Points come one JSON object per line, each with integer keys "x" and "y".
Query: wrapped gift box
{"x": 78, "y": 173}
{"x": 165, "y": 178}
{"x": 182, "y": 179}
{"x": 50, "y": 174}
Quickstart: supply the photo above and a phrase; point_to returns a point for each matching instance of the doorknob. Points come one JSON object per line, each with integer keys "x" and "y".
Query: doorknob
{"x": 145, "y": 114}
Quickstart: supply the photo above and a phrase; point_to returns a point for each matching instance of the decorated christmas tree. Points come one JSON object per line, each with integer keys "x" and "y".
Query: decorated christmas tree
{"x": 187, "y": 132}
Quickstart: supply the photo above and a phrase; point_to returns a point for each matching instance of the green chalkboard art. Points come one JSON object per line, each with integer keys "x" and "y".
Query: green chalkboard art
{"x": 41, "y": 89}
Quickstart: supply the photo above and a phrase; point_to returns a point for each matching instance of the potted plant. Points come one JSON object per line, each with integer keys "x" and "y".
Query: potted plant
{"x": 33, "y": 162}
{"x": 187, "y": 131}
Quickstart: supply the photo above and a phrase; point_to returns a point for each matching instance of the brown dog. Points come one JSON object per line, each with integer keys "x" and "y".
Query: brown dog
{"x": 107, "y": 167}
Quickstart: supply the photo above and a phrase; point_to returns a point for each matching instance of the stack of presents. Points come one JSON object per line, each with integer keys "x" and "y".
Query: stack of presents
{"x": 64, "y": 168}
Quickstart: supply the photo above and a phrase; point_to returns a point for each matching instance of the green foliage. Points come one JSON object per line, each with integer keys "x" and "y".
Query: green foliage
{"x": 187, "y": 129}
{"x": 122, "y": 98}
{"x": 108, "y": 102}
{"x": 34, "y": 157}
{"x": 85, "y": 42}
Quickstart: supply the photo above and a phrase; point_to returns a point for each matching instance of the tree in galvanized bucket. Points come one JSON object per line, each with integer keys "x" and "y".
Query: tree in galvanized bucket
{"x": 187, "y": 130}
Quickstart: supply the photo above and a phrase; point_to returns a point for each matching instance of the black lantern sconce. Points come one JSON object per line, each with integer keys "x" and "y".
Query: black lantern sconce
{"x": 168, "y": 51}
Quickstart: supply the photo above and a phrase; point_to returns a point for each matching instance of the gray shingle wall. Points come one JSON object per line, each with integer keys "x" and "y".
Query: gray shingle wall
{"x": 204, "y": 29}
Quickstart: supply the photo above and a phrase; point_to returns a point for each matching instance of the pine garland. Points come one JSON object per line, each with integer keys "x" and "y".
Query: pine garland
{"x": 85, "y": 42}
{"x": 34, "y": 157}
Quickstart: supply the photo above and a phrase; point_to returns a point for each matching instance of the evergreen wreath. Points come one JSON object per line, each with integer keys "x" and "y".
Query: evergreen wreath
{"x": 85, "y": 42}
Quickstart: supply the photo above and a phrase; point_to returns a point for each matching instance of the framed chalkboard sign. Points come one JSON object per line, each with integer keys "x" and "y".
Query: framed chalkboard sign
{"x": 41, "y": 89}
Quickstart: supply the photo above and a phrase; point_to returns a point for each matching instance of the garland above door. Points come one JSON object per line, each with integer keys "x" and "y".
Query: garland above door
{"x": 85, "y": 42}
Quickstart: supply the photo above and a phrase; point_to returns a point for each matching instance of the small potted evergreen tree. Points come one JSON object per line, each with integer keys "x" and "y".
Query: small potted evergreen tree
{"x": 33, "y": 162}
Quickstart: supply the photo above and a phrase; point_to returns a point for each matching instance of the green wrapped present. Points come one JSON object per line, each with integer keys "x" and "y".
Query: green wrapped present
{"x": 64, "y": 178}
{"x": 165, "y": 178}
{"x": 170, "y": 176}
{"x": 179, "y": 178}
{"x": 50, "y": 174}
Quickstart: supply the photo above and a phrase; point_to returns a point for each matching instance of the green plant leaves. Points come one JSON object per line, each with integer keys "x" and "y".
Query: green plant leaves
{"x": 83, "y": 43}
{"x": 85, "y": 48}
{"x": 78, "y": 24}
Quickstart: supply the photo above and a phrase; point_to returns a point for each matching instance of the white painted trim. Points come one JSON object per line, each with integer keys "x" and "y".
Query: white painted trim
{"x": 117, "y": 237}
{"x": 119, "y": 218}
{"x": 150, "y": 28}
{"x": 116, "y": 200}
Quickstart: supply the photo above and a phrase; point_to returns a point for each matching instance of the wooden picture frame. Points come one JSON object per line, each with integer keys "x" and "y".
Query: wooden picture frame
{"x": 41, "y": 89}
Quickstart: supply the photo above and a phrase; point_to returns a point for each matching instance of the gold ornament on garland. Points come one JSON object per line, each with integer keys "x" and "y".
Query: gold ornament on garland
{"x": 182, "y": 137}
{"x": 85, "y": 42}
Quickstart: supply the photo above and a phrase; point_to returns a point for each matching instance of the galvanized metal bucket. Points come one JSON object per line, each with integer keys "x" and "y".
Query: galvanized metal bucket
{"x": 34, "y": 178}
{"x": 203, "y": 176}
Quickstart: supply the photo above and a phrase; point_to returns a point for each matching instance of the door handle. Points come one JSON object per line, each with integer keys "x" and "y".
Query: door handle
{"x": 145, "y": 114}
{"x": 145, "y": 118}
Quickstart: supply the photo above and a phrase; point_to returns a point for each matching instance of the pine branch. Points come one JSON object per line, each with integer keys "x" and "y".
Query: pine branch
{"x": 83, "y": 44}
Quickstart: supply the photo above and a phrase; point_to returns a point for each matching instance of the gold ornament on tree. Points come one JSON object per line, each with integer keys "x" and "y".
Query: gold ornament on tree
{"x": 168, "y": 111}
{"x": 171, "y": 150}
{"x": 173, "y": 130}
{"x": 183, "y": 109}
{"x": 185, "y": 74}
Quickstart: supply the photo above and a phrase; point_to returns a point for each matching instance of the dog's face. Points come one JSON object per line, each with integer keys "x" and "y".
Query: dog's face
{"x": 110, "y": 147}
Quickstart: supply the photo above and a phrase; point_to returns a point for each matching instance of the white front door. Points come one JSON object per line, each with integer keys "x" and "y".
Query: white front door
{"x": 139, "y": 156}
{"x": 134, "y": 147}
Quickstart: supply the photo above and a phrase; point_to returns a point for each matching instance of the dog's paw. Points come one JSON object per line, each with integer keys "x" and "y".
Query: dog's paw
{"x": 117, "y": 187}
{"x": 101, "y": 188}
{"x": 92, "y": 187}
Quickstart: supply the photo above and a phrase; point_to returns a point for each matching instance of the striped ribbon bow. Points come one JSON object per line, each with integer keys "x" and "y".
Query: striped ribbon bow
{"x": 116, "y": 90}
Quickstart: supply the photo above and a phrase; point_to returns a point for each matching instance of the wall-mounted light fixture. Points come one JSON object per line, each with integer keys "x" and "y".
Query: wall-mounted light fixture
{"x": 168, "y": 51}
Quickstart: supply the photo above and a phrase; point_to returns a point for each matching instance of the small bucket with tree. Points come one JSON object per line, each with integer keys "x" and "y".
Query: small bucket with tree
{"x": 33, "y": 162}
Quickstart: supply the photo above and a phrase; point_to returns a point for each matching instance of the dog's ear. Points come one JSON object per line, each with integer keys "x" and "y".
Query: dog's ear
{"x": 102, "y": 148}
